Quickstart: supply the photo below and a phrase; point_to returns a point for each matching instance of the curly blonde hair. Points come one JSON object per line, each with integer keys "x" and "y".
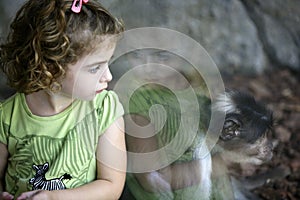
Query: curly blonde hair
{"x": 46, "y": 36}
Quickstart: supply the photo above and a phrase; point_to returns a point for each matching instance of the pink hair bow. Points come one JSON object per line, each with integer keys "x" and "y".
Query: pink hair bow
{"x": 76, "y": 6}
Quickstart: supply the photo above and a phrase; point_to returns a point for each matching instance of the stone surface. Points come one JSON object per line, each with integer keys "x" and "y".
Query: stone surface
{"x": 278, "y": 23}
{"x": 223, "y": 28}
{"x": 241, "y": 36}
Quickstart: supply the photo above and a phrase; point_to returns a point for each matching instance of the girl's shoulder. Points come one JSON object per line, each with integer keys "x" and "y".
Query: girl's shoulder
{"x": 8, "y": 104}
{"x": 6, "y": 109}
{"x": 108, "y": 108}
{"x": 106, "y": 99}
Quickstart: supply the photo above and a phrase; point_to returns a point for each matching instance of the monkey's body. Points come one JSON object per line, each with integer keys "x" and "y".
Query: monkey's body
{"x": 241, "y": 140}
{"x": 171, "y": 114}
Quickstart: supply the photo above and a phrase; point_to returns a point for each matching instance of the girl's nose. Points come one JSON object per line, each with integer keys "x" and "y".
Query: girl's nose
{"x": 147, "y": 68}
{"x": 106, "y": 76}
{"x": 149, "y": 59}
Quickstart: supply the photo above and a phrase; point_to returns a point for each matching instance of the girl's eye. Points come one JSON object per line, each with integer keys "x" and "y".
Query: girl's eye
{"x": 163, "y": 56}
{"x": 94, "y": 69}
{"x": 137, "y": 54}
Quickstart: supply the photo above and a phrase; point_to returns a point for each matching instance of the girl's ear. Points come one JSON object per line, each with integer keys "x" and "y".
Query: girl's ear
{"x": 231, "y": 129}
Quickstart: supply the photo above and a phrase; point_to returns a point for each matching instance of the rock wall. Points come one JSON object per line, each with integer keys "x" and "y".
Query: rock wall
{"x": 279, "y": 25}
{"x": 222, "y": 27}
{"x": 242, "y": 36}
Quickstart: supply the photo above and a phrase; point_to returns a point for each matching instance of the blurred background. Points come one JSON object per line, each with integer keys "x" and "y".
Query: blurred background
{"x": 256, "y": 46}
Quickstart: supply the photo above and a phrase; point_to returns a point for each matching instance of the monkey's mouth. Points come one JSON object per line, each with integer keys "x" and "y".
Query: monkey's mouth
{"x": 261, "y": 157}
{"x": 265, "y": 156}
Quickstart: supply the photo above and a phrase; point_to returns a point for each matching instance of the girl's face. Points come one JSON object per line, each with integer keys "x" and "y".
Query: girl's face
{"x": 155, "y": 64}
{"x": 90, "y": 75}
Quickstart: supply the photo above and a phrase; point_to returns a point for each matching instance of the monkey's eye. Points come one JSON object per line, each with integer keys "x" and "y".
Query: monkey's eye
{"x": 230, "y": 129}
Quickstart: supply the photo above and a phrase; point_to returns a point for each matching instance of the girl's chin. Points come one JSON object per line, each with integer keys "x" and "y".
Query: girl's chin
{"x": 98, "y": 91}
{"x": 86, "y": 98}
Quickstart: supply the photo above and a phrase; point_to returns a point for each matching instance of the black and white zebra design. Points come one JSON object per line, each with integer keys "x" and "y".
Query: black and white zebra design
{"x": 39, "y": 181}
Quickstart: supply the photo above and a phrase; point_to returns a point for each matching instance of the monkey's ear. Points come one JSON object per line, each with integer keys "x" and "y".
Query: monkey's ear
{"x": 231, "y": 129}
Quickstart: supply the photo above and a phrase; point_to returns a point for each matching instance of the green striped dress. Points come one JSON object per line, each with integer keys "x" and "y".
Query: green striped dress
{"x": 179, "y": 119}
{"x": 66, "y": 141}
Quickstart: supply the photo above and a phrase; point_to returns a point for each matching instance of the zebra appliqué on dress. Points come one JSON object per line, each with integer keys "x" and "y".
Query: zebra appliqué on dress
{"x": 39, "y": 181}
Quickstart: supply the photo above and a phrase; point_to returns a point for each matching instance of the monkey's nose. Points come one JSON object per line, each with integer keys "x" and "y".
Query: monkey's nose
{"x": 266, "y": 153}
{"x": 267, "y": 148}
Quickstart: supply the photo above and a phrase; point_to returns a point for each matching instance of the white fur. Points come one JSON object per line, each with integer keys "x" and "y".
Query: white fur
{"x": 225, "y": 104}
{"x": 206, "y": 170}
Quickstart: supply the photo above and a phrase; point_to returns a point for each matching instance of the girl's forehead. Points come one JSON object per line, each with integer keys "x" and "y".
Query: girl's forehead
{"x": 101, "y": 52}
{"x": 104, "y": 43}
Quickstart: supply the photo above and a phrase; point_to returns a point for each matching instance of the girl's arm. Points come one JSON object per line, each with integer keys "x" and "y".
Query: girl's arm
{"x": 111, "y": 171}
{"x": 3, "y": 163}
{"x": 172, "y": 177}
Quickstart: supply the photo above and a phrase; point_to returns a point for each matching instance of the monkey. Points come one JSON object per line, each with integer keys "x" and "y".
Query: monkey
{"x": 243, "y": 139}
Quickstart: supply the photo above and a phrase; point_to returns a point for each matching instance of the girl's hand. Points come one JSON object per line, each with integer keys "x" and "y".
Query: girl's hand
{"x": 6, "y": 196}
{"x": 35, "y": 195}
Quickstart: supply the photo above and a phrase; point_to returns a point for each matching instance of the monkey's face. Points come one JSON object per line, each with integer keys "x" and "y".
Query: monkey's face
{"x": 244, "y": 133}
{"x": 262, "y": 149}
{"x": 241, "y": 151}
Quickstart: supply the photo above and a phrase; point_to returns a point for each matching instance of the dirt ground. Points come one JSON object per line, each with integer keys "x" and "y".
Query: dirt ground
{"x": 279, "y": 90}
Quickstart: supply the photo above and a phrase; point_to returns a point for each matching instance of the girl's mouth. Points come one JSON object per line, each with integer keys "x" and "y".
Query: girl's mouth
{"x": 98, "y": 91}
